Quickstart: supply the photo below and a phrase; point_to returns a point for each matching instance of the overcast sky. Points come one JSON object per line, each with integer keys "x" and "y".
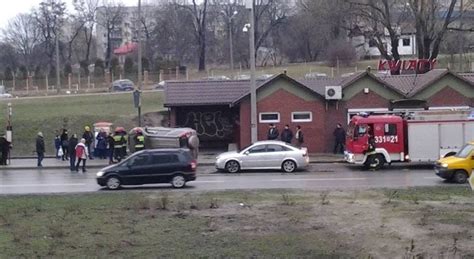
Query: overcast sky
{"x": 10, "y": 8}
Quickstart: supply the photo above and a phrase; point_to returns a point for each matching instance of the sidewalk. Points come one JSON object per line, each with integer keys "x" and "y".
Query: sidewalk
{"x": 204, "y": 159}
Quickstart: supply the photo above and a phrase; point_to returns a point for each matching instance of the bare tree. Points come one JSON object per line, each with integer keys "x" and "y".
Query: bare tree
{"x": 199, "y": 14}
{"x": 50, "y": 18}
{"x": 269, "y": 14}
{"x": 85, "y": 13}
{"x": 23, "y": 35}
{"x": 172, "y": 35}
{"x": 379, "y": 20}
{"x": 110, "y": 16}
{"x": 430, "y": 25}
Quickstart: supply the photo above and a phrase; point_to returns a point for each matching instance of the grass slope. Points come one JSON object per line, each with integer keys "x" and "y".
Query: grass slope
{"x": 410, "y": 223}
{"x": 74, "y": 112}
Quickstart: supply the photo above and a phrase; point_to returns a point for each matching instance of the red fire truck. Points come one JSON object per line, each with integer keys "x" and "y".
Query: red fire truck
{"x": 423, "y": 136}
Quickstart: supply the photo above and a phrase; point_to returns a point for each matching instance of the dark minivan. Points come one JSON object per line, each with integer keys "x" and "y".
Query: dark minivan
{"x": 175, "y": 166}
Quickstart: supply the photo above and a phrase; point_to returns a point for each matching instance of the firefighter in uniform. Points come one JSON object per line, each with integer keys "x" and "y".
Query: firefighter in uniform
{"x": 139, "y": 141}
{"x": 119, "y": 141}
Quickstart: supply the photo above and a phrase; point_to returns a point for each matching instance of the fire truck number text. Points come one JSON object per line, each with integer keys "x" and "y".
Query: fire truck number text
{"x": 386, "y": 139}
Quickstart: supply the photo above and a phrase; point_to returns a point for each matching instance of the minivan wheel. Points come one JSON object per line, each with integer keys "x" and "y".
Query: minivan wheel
{"x": 288, "y": 166}
{"x": 113, "y": 183}
{"x": 178, "y": 181}
{"x": 460, "y": 176}
{"x": 232, "y": 166}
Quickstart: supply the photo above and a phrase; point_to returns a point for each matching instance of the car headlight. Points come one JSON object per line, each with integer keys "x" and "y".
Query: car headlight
{"x": 444, "y": 165}
{"x": 100, "y": 174}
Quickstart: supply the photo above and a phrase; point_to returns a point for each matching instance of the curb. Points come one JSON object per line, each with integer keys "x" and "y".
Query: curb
{"x": 104, "y": 165}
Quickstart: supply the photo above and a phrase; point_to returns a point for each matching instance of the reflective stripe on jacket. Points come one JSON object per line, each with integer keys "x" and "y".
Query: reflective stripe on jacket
{"x": 118, "y": 141}
{"x": 140, "y": 142}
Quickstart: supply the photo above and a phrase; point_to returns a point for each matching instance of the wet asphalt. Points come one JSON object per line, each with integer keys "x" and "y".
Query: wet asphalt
{"x": 325, "y": 176}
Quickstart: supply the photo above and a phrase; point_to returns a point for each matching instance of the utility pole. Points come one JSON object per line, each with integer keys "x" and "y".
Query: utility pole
{"x": 253, "y": 86}
{"x": 58, "y": 80}
{"x": 231, "y": 43}
{"x": 139, "y": 35}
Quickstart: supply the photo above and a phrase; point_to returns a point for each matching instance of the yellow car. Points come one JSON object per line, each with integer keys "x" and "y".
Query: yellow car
{"x": 458, "y": 167}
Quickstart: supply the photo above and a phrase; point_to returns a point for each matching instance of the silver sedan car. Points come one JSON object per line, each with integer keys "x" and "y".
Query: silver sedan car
{"x": 268, "y": 154}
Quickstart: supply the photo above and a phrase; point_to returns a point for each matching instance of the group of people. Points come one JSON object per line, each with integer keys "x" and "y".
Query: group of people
{"x": 68, "y": 148}
{"x": 111, "y": 146}
{"x": 286, "y": 134}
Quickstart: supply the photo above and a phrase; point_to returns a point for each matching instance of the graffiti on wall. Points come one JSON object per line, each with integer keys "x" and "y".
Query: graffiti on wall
{"x": 210, "y": 125}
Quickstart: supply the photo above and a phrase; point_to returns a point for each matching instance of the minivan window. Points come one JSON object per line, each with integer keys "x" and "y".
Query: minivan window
{"x": 139, "y": 160}
{"x": 164, "y": 158}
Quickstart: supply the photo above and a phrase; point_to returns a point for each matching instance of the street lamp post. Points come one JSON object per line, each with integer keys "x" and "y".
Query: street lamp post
{"x": 231, "y": 44}
{"x": 139, "y": 35}
{"x": 253, "y": 87}
{"x": 58, "y": 80}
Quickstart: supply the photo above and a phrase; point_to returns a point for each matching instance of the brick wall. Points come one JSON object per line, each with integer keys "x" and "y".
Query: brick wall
{"x": 285, "y": 103}
{"x": 450, "y": 97}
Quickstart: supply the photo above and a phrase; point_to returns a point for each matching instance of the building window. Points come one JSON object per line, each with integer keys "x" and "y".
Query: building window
{"x": 372, "y": 43}
{"x": 301, "y": 116}
{"x": 406, "y": 42}
{"x": 269, "y": 117}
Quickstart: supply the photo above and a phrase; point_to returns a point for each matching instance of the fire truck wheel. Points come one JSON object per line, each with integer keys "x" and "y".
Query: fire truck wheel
{"x": 460, "y": 176}
{"x": 375, "y": 162}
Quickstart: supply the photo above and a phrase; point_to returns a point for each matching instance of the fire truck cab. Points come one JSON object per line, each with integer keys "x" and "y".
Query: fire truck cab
{"x": 421, "y": 136}
{"x": 385, "y": 131}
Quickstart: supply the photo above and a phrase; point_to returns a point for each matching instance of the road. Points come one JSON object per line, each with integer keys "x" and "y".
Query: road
{"x": 317, "y": 177}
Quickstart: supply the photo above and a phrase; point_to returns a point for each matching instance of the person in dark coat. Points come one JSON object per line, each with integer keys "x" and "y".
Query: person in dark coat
{"x": 287, "y": 135}
{"x": 101, "y": 147}
{"x": 89, "y": 137}
{"x": 65, "y": 145}
{"x": 272, "y": 132}
{"x": 73, "y": 141}
{"x": 340, "y": 139}
{"x": 110, "y": 148}
{"x": 57, "y": 145}
{"x": 40, "y": 148}
{"x": 299, "y": 136}
{"x": 5, "y": 148}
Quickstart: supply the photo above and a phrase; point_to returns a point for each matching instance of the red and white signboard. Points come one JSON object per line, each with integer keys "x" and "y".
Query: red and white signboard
{"x": 417, "y": 65}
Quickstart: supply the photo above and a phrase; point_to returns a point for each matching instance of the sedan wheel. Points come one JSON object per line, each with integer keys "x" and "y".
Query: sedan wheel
{"x": 178, "y": 181}
{"x": 113, "y": 183}
{"x": 232, "y": 166}
{"x": 288, "y": 166}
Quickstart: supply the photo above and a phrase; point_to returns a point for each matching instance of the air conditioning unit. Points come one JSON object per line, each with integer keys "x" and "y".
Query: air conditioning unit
{"x": 333, "y": 92}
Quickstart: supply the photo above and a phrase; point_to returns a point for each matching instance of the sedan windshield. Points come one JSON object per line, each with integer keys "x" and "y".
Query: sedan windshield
{"x": 465, "y": 151}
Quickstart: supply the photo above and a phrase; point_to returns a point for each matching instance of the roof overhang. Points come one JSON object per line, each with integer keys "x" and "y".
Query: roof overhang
{"x": 407, "y": 103}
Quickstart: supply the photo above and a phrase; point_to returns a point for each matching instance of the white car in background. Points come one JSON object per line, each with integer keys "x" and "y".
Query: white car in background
{"x": 269, "y": 154}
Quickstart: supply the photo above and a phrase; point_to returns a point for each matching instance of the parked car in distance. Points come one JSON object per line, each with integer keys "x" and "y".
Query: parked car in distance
{"x": 242, "y": 77}
{"x": 123, "y": 85}
{"x": 159, "y": 86}
{"x": 175, "y": 166}
{"x": 3, "y": 93}
{"x": 458, "y": 167}
{"x": 215, "y": 78}
{"x": 313, "y": 75}
{"x": 264, "y": 76}
{"x": 6, "y": 95}
{"x": 269, "y": 154}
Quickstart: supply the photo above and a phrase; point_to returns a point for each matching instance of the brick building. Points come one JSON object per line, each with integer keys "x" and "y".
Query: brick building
{"x": 220, "y": 110}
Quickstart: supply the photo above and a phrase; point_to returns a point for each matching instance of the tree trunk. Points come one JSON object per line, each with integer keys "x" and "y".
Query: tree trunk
{"x": 202, "y": 52}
